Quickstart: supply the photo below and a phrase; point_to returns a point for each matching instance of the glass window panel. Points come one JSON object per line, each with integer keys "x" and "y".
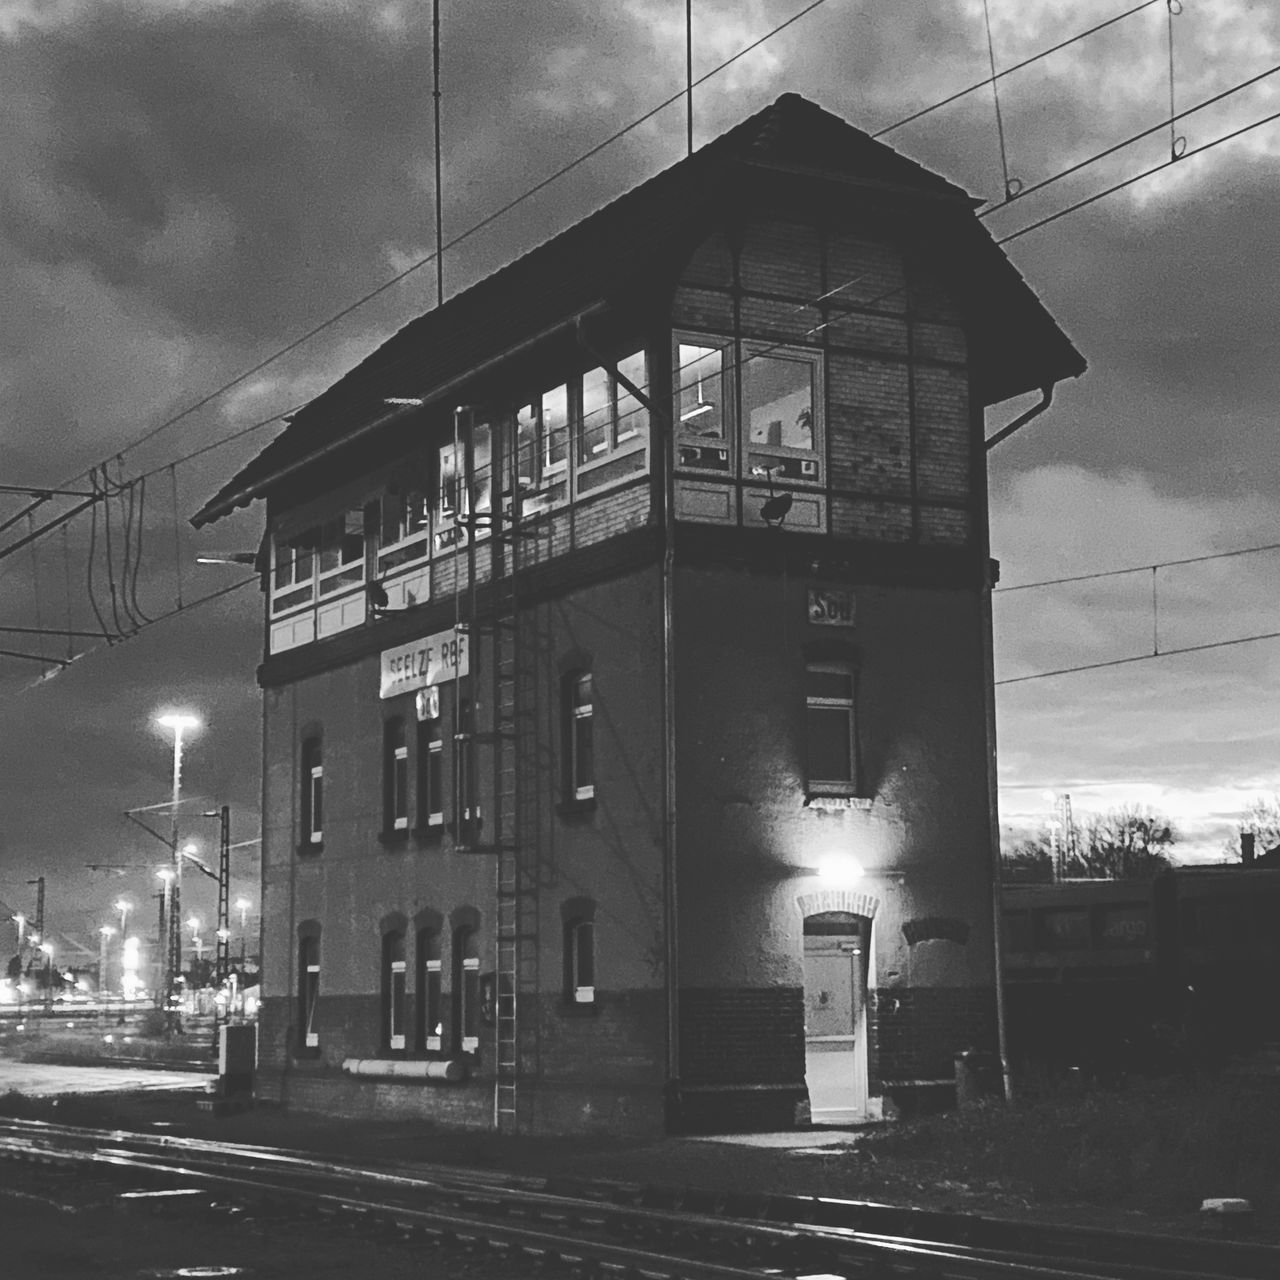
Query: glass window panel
{"x": 555, "y": 428}
{"x": 632, "y": 417}
{"x": 777, "y": 401}
{"x": 330, "y": 544}
{"x": 830, "y": 744}
{"x": 527, "y": 444}
{"x": 829, "y": 684}
{"x": 482, "y": 464}
{"x": 595, "y": 415}
{"x": 699, "y": 378}
{"x": 352, "y": 537}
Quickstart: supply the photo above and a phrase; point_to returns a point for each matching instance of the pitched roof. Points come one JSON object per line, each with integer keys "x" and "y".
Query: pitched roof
{"x": 1016, "y": 345}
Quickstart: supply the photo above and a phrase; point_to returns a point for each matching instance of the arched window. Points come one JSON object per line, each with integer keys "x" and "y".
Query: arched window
{"x": 430, "y": 778}
{"x": 308, "y": 991}
{"x": 395, "y": 777}
{"x": 428, "y": 1027}
{"x": 394, "y": 985}
{"x": 311, "y": 820}
{"x": 580, "y": 961}
{"x": 466, "y": 989}
{"x": 579, "y": 746}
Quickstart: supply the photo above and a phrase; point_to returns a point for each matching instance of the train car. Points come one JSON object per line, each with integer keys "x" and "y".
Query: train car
{"x": 1115, "y": 975}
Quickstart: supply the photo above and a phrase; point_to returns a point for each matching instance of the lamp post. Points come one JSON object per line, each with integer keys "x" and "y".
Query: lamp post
{"x": 179, "y": 723}
{"x": 47, "y": 948}
{"x": 162, "y": 938}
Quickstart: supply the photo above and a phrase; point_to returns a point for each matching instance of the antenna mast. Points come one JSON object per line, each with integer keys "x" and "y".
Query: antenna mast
{"x": 435, "y": 94}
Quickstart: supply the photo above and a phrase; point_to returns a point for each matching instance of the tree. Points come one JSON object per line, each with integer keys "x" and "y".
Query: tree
{"x": 1262, "y": 817}
{"x": 1028, "y": 860}
{"x": 1128, "y": 843}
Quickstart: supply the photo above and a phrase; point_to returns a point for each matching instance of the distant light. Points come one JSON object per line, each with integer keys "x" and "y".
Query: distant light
{"x": 839, "y": 870}
{"x": 178, "y": 721}
{"x": 414, "y": 401}
{"x": 106, "y": 930}
{"x": 165, "y": 873}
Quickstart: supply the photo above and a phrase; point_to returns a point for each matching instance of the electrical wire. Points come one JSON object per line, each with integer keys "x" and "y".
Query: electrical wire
{"x": 1141, "y": 568}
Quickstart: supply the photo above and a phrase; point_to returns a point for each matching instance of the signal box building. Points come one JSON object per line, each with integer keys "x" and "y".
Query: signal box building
{"x": 628, "y": 731}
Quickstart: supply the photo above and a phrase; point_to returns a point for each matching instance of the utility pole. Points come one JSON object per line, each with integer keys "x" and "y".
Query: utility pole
{"x": 222, "y": 966}
{"x": 44, "y": 945}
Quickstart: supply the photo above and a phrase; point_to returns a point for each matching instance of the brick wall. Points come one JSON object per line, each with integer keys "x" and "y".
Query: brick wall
{"x": 915, "y": 1033}
{"x": 742, "y": 1035}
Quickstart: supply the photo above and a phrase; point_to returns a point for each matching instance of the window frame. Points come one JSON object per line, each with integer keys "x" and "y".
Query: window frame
{"x": 579, "y": 962}
{"x": 308, "y": 990}
{"x": 618, "y": 444}
{"x": 824, "y": 703}
{"x": 395, "y": 989}
{"x": 311, "y": 792}
{"x": 454, "y": 505}
{"x": 390, "y": 556}
{"x": 752, "y": 351}
{"x": 395, "y": 777}
{"x": 550, "y": 484}
{"x": 350, "y": 571}
{"x": 578, "y": 718}
{"x": 684, "y": 437}
{"x": 428, "y": 991}
{"x": 288, "y": 596}
{"x": 465, "y": 1034}
{"x": 429, "y": 776}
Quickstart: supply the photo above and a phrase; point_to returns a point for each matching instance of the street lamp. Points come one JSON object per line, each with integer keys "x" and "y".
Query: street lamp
{"x": 123, "y": 906}
{"x": 47, "y": 948}
{"x": 179, "y": 723}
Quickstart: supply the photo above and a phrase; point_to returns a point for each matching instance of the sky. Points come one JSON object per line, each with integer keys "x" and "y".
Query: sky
{"x": 189, "y": 186}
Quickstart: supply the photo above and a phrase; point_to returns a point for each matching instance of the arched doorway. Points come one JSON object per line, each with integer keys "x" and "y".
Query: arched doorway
{"x": 836, "y": 955}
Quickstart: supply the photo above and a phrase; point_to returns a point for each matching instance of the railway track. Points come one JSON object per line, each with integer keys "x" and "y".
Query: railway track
{"x": 614, "y": 1229}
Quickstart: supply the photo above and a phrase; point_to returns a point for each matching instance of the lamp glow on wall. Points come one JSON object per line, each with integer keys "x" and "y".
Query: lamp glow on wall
{"x": 839, "y": 870}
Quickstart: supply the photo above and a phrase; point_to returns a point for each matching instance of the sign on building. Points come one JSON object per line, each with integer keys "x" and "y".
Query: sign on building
{"x": 423, "y": 663}
{"x": 831, "y": 608}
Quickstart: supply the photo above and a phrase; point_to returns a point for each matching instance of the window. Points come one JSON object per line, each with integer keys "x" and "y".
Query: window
{"x": 395, "y": 777}
{"x": 542, "y": 450}
{"x": 308, "y": 991}
{"x": 456, "y": 501}
{"x": 293, "y": 572}
{"x": 779, "y": 402}
{"x": 429, "y": 1027}
{"x": 779, "y": 390}
{"x": 430, "y": 775}
{"x": 579, "y": 754}
{"x": 466, "y": 990}
{"x": 403, "y": 529}
{"x": 615, "y": 425}
{"x": 312, "y": 815}
{"x": 702, "y": 438}
{"x": 342, "y": 552}
{"x": 579, "y": 961}
{"x": 466, "y": 805}
{"x": 393, "y": 991}
{"x": 831, "y": 749}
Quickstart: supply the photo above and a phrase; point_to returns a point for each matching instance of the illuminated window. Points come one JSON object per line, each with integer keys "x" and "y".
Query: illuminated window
{"x": 312, "y": 798}
{"x": 466, "y": 990}
{"x": 702, "y": 401}
{"x": 308, "y": 991}
{"x": 430, "y": 775}
{"x": 429, "y": 1027}
{"x": 614, "y": 429}
{"x": 342, "y": 552}
{"x": 542, "y": 450}
{"x": 403, "y": 529}
{"x": 456, "y": 500}
{"x": 293, "y": 571}
{"x": 579, "y": 961}
{"x": 579, "y": 748}
{"x": 780, "y": 403}
{"x": 395, "y": 777}
{"x": 830, "y": 738}
{"x": 393, "y": 991}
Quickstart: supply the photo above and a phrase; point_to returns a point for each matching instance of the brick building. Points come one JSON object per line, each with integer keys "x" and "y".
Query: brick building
{"x": 628, "y": 731}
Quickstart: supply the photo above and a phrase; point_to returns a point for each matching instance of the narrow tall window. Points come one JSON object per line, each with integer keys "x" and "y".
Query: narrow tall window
{"x": 579, "y": 759}
{"x": 429, "y": 1028}
{"x": 466, "y": 990}
{"x": 395, "y": 777}
{"x": 394, "y": 980}
{"x": 430, "y": 775}
{"x": 308, "y": 991}
{"x": 830, "y": 728}
{"x": 312, "y": 799}
{"x": 701, "y": 429}
{"x": 579, "y": 961}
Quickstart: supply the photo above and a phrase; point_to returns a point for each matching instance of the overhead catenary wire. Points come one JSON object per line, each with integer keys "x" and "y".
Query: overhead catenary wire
{"x": 1011, "y": 185}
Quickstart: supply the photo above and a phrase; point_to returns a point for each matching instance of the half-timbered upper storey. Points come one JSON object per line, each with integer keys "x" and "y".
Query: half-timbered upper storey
{"x": 794, "y": 328}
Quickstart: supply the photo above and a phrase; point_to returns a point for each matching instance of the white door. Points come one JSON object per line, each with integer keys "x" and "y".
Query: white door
{"x": 835, "y": 1028}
